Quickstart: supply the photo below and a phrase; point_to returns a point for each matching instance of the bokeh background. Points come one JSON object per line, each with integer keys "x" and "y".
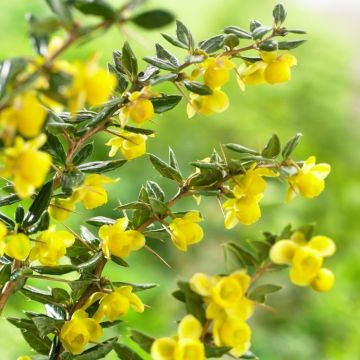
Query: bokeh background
{"x": 321, "y": 101}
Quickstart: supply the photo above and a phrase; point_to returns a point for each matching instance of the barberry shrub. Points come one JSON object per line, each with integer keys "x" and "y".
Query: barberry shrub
{"x": 52, "y": 109}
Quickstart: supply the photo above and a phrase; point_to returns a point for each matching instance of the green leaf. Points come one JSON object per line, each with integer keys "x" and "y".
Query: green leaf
{"x": 296, "y": 31}
{"x": 62, "y": 10}
{"x": 259, "y": 293}
{"x": 55, "y": 148}
{"x": 40, "y": 344}
{"x": 254, "y": 24}
{"x": 97, "y": 352}
{"x": 272, "y": 148}
{"x": 174, "y": 41}
{"x": 158, "y": 207}
{"x": 89, "y": 237}
{"x": 39, "y": 205}
{"x": 206, "y": 177}
{"x": 109, "y": 324}
{"x": 101, "y": 166}
{"x": 46, "y": 325}
{"x": 268, "y": 45}
{"x": 173, "y": 161}
{"x": 83, "y": 154}
{"x": 122, "y": 82}
{"x": 193, "y": 301}
{"x": 23, "y": 324}
{"x": 197, "y": 87}
{"x": 165, "y": 103}
{"x": 129, "y": 60}
{"x": 135, "y": 205}
{"x": 55, "y": 311}
{"x": 91, "y": 263}
{"x": 96, "y": 7}
{"x": 119, "y": 261}
{"x": 8, "y": 200}
{"x": 5, "y": 273}
{"x": 153, "y": 19}
{"x": 291, "y": 145}
{"x": 44, "y": 297}
{"x": 216, "y": 352}
{"x": 55, "y": 270}
{"x": 249, "y": 356}
{"x": 290, "y": 44}
{"x": 163, "y": 78}
{"x": 164, "y": 54}
{"x": 137, "y": 130}
{"x": 70, "y": 180}
{"x": 184, "y": 35}
{"x": 241, "y": 149}
{"x": 141, "y": 215}
{"x": 100, "y": 221}
{"x": 125, "y": 353}
{"x": 261, "y": 31}
{"x": 279, "y": 14}
{"x": 143, "y": 340}
{"x": 164, "y": 169}
{"x": 240, "y": 33}
{"x": 160, "y": 63}
{"x": 135, "y": 287}
{"x": 231, "y": 41}
{"x": 155, "y": 190}
{"x": 7, "y": 221}
{"x": 213, "y": 44}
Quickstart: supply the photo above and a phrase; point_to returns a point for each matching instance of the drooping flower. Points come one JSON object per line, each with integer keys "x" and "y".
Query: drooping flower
{"x": 61, "y": 209}
{"x": 139, "y": 108}
{"x": 92, "y": 193}
{"x": 186, "y": 346}
{"x": 51, "y": 246}
{"x": 185, "y": 231}
{"x": 130, "y": 144}
{"x": 14, "y": 245}
{"x": 79, "y": 331}
{"x": 216, "y": 71}
{"x": 309, "y": 180}
{"x": 91, "y": 85}
{"x": 118, "y": 241}
{"x": 20, "y": 162}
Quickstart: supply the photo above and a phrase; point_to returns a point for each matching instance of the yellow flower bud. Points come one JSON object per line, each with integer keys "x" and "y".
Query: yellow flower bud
{"x": 61, "y": 209}
{"x": 306, "y": 265}
{"x": 309, "y": 181}
{"x": 79, "y": 331}
{"x": 185, "y": 231}
{"x": 117, "y": 304}
{"x": 163, "y": 349}
{"x": 16, "y": 246}
{"x": 283, "y": 251}
{"x": 233, "y": 333}
{"x": 118, "y": 241}
{"x": 131, "y": 145}
{"x": 24, "y": 357}
{"x": 217, "y": 102}
{"x": 20, "y": 162}
{"x": 51, "y": 246}
{"x": 91, "y": 192}
{"x": 202, "y": 284}
{"x": 26, "y": 115}
{"x": 189, "y": 328}
{"x": 323, "y": 281}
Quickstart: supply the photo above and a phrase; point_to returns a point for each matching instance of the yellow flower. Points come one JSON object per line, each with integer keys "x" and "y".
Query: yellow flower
{"x": 202, "y": 284}
{"x": 26, "y": 115}
{"x": 90, "y": 85}
{"x": 217, "y": 102}
{"x": 306, "y": 259}
{"x": 186, "y": 346}
{"x": 131, "y": 145}
{"x": 118, "y": 241}
{"x": 185, "y": 231}
{"x": 24, "y": 357}
{"x": 274, "y": 68}
{"x": 20, "y": 162}
{"x": 51, "y": 246}
{"x": 216, "y": 71}
{"x": 244, "y": 208}
{"x": 91, "y": 192}
{"x": 79, "y": 331}
{"x": 60, "y": 209}
{"x": 232, "y": 333}
{"x": 323, "y": 281}
{"x": 139, "y": 108}
{"x": 309, "y": 181}
{"x": 16, "y": 246}
{"x": 117, "y": 304}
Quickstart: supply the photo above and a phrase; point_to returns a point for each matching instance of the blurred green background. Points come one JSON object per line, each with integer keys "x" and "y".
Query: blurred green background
{"x": 320, "y": 101}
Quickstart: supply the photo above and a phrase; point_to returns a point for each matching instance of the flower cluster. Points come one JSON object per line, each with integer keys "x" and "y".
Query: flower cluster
{"x": 185, "y": 346}
{"x": 82, "y": 329}
{"x": 248, "y": 191}
{"x": 306, "y": 259}
{"x": 228, "y": 308}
